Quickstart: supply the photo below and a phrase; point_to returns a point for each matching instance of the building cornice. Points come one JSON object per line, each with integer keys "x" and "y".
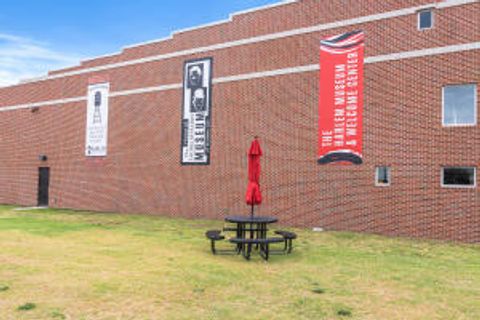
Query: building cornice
{"x": 263, "y": 74}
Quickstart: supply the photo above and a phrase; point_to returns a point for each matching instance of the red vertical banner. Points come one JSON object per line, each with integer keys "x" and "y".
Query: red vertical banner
{"x": 341, "y": 99}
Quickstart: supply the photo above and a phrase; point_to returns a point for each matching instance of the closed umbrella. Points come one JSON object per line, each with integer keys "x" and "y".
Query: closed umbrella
{"x": 254, "y": 195}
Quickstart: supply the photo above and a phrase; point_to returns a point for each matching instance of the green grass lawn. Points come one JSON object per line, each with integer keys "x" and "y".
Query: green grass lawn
{"x": 59, "y": 264}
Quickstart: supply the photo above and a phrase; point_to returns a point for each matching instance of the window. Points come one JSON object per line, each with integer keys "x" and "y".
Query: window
{"x": 425, "y": 19}
{"x": 460, "y": 105}
{"x": 382, "y": 176}
{"x": 459, "y": 177}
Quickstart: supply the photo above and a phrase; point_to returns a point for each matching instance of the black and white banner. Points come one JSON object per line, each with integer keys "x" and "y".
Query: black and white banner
{"x": 196, "y": 114}
{"x": 97, "y": 120}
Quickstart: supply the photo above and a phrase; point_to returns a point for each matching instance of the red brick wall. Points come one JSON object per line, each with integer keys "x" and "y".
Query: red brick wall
{"x": 142, "y": 172}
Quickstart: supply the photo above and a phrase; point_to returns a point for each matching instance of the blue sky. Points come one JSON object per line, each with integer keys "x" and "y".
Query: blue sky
{"x": 41, "y": 35}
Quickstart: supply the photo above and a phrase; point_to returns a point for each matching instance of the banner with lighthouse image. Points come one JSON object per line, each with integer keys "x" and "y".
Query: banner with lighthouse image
{"x": 97, "y": 120}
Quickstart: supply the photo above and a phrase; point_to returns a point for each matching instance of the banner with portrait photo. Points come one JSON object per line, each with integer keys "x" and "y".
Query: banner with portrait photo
{"x": 97, "y": 120}
{"x": 196, "y": 112}
{"x": 341, "y": 99}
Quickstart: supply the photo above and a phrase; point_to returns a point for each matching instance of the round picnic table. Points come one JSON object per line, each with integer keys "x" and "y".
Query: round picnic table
{"x": 249, "y": 227}
{"x": 257, "y": 225}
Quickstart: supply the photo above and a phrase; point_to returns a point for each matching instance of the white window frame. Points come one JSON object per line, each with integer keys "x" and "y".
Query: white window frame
{"x": 475, "y": 105}
{"x": 442, "y": 169}
{"x": 389, "y": 176}
{"x": 432, "y": 16}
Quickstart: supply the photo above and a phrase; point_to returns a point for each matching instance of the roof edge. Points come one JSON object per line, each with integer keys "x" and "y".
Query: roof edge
{"x": 210, "y": 24}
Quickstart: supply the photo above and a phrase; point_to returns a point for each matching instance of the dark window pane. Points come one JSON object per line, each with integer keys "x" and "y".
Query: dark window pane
{"x": 425, "y": 19}
{"x": 459, "y": 176}
{"x": 383, "y": 175}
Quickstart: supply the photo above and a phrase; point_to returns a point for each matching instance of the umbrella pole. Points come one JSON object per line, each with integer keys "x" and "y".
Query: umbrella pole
{"x": 251, "y": 224}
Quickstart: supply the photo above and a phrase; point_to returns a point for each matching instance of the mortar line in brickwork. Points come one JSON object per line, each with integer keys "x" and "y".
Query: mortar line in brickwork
{"x": 256, "y": 39}
{"x": 261, "y": 74}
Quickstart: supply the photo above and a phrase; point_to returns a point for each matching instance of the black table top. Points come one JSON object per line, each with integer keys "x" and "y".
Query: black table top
{"x": 250, "y": 219}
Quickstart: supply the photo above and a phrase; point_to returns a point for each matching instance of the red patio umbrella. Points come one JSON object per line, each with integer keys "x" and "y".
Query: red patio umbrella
{"x": 254, "y": 195}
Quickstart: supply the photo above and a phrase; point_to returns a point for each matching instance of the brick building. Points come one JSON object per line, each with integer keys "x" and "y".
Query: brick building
{"x": 421, "y": 138}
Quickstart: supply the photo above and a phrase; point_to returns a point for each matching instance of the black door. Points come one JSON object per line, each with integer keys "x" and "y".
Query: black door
{"x": 43, "y": 182}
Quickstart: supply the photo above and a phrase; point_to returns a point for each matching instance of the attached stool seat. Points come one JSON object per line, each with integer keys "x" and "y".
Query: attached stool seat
{"x": 214, "y": 235}
{"x": 288, "y": 236}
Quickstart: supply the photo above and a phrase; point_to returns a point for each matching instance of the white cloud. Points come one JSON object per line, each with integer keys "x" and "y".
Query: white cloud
{"x": 23, "y": 58}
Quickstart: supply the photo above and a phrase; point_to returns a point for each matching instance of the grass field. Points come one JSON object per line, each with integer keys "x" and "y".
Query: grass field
{"x": 58, "y": 264}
